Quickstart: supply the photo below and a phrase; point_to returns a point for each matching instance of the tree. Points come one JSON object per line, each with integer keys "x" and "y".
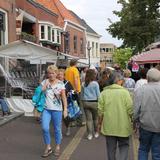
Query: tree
{"x": 139, "y": 23}
{"x": 122, "y": 56}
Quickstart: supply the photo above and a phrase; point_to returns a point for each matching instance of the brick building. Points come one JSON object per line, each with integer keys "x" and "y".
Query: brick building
{"x": 7, "y": 21}
{"x": 74, "y": 38}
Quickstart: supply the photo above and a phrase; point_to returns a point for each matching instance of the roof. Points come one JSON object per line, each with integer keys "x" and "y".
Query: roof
{"x": 83, "y": 23}
{"x": 152, "y": 56}
{"x": 57, "y": 7}
{"x": 23, "y": 49}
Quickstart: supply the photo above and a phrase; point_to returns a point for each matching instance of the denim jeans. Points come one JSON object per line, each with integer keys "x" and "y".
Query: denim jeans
{"x": 149, "y": 141}
{"x": 4, "y": 105}
{"x": 56, "y": 117}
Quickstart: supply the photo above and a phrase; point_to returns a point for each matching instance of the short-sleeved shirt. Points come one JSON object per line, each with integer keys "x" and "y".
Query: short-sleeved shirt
{"x": 70, "y": 75}
{"x": 53, "y": 96}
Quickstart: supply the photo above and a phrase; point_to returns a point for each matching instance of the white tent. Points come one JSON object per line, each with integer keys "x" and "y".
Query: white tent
{"x": 23, "y": 49}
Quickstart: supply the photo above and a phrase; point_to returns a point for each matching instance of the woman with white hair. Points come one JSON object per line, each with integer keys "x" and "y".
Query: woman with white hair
{"x": 147, "y": 113}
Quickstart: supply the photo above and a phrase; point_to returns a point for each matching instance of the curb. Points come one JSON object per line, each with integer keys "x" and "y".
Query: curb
{"x": 13, "y": 116}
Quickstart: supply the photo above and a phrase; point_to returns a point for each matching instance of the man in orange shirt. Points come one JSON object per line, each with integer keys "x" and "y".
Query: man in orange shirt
{"x": 72, "y": 75}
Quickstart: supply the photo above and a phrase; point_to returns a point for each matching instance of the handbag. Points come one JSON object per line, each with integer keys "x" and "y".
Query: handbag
{"x": 73, "y": 108}
{"x": 38, "y": 99}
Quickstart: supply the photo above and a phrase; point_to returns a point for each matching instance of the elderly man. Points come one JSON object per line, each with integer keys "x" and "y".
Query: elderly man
{"x": 147, "y": 112}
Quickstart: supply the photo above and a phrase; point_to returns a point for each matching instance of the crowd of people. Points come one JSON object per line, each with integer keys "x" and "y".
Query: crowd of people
{"x": 111, "y": 103}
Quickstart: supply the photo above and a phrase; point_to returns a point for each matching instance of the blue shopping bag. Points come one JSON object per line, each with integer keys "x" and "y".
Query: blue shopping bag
{"x": 73, "y": 108}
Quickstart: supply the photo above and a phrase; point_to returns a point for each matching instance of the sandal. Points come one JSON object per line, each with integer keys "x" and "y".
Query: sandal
{"x": 46, "y": 154}
{"x": 57, "y": 152}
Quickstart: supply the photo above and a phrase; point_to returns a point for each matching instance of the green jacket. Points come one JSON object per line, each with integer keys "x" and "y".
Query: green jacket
{"x": 116, "y": 106}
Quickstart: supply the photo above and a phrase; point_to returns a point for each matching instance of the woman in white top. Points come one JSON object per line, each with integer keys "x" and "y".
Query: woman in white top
{"x": 55, "y": 93}
{"x": 142, "y": 80}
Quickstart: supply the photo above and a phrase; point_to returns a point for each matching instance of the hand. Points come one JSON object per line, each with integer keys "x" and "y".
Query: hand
{"x": 135, "y": 126}
{"x": 65, "y": 113}
{"x": 98, "y": 127}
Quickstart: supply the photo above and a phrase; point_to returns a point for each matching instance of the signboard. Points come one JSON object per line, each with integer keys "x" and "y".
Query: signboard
{"x": 62, "y": 63}
{"x": 135, "y": 67}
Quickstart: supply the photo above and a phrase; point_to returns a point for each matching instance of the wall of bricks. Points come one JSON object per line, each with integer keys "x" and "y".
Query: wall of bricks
{"x": 9, "y": 7}
{"x": 80, "y": 34}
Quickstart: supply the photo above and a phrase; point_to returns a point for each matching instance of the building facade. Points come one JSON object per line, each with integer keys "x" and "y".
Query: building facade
{"x": 106, "y": 54}
{"x": 50, "y": 24}
{"x": 92, "y": 43}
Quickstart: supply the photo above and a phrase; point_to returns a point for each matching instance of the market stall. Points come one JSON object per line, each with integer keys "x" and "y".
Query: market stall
{"x": 151, "y": 56}
{"x": 22, "y": 64}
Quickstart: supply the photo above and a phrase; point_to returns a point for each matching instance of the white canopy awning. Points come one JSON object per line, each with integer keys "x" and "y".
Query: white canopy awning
{"x": 23, "y": 49}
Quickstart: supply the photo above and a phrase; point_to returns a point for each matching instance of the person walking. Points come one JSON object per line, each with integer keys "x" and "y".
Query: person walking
{"x": 129, "y": 82}
{"x": 90, "y": 93}
{"x": 115, "y": 117}
{"x": 72, "y": 75}
{"x": 55, "y": 92}
{"x": 68, "y": 88}
{"x": 146, "y": 112}
{"x": 143, "y": 78}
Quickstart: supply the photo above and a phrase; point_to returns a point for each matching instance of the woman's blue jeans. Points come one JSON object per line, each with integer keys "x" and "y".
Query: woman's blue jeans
{"x": 149, "y": 141}
{"x": 56, "y": 117}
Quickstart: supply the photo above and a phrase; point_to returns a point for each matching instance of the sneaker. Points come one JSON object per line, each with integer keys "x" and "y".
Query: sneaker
{"x": 68, "y": 131}
{"x": 89, "y": 137}
{"x": 96, "y": 135}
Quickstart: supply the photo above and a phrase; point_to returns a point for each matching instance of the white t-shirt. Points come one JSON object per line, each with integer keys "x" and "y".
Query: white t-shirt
{"x": 53, "y": 96}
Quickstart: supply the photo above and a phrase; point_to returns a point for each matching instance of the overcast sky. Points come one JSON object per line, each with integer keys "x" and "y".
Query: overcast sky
{"x": 96, "y": 13}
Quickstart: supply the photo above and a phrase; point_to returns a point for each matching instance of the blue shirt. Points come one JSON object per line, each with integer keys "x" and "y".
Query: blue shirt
{"x": 91, "y": 92}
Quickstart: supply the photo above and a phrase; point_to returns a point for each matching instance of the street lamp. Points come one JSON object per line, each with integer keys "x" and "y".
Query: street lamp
{"x": 89, "y": 48}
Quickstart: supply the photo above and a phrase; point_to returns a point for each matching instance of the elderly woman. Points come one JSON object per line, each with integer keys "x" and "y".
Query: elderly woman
{"x": 147, "y": 112}
{"x": 129, "y": 83}
{"x": 69, "y": 88}
{"x": 115, "y": 113}
{"x": 55, "y": 92}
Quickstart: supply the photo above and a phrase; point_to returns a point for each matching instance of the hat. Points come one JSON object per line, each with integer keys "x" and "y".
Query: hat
{"x": 153, "y": 75}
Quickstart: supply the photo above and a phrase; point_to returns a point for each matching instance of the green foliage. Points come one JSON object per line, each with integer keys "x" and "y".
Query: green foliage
{"x": 139, "y": 23}
{"x": 122, "y": 56}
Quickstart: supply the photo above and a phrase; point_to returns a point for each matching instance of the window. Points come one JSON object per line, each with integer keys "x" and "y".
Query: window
{"x": 96, "y": 49}
{"x": 75, "y": 42}
{"x": 67, "y": 42}
{"x": 42, "y": 32}
{"x": 3, "y": 36}
{"x": 58, "y": 36}
{"x": 49, "y": 33}
{"x": 92, "y": 48}
{"x": 81, "y": 44}
{"x": 53, "y": 39}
